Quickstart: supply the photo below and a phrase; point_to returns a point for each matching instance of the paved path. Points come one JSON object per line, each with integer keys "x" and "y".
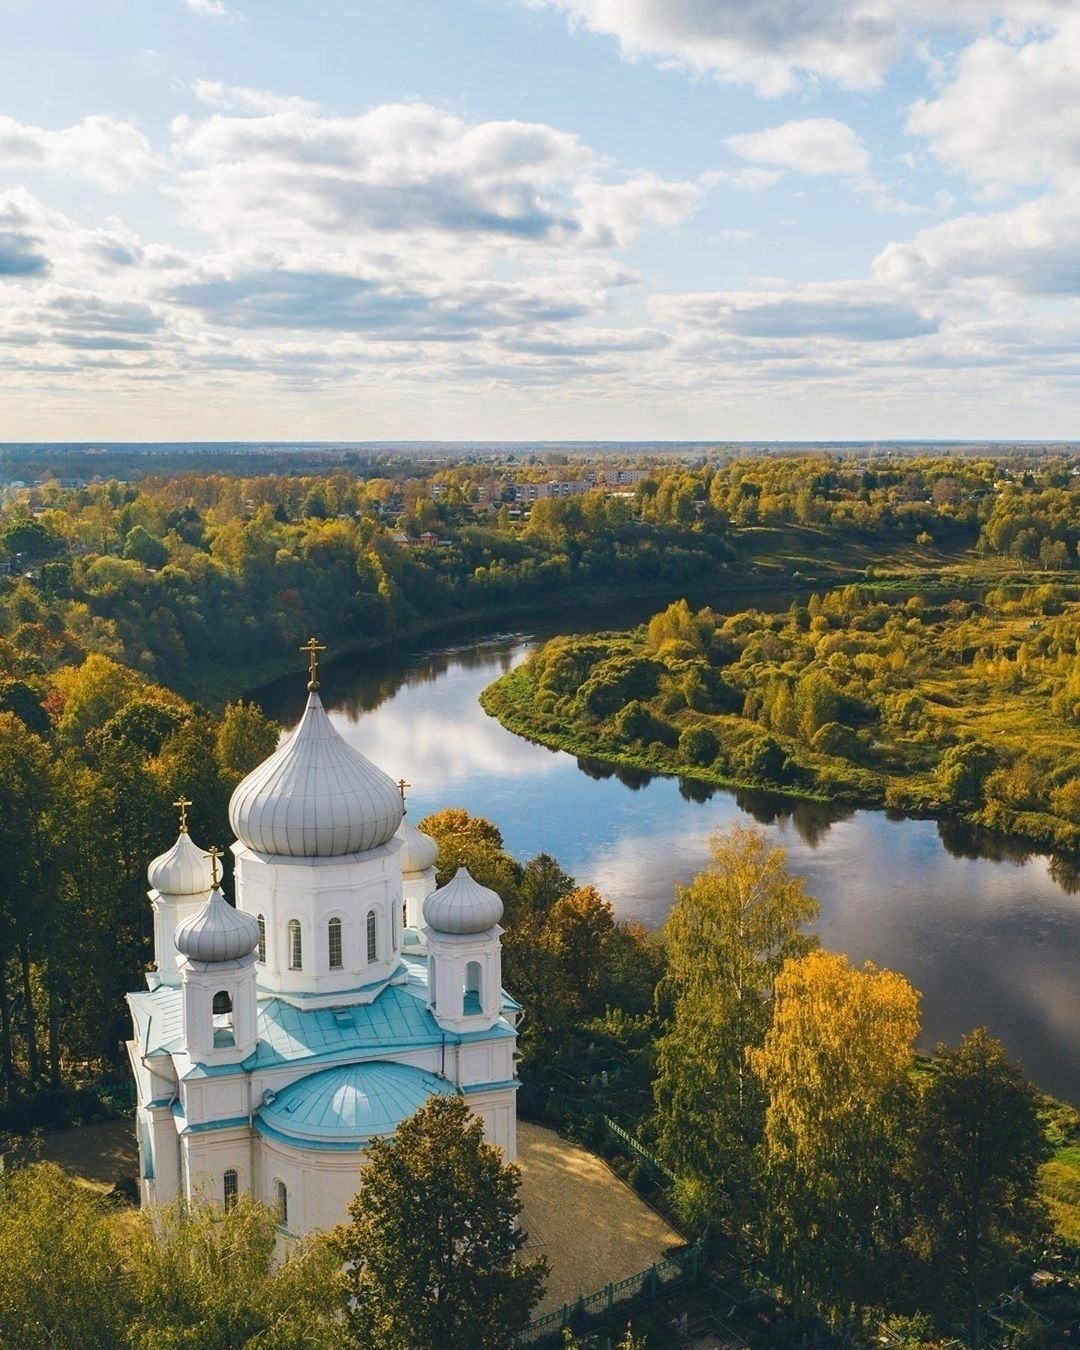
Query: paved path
{"x": 593, "y": 1228}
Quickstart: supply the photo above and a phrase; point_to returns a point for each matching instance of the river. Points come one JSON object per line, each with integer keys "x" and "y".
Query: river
{"x": 989, "y": 941}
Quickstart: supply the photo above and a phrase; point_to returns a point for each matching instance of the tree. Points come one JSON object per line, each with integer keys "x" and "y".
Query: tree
{"x": 976, "y": 1163}
{"x": 835, "y": 1066}
{"x": 728, "y": 935}
{"x": 143, "y": 547}
{"x": 430, "y": 1253}
{"x": 245, "y": 738}
{"x": 60, "y": 1264}
{"x": 203, "y": 1279}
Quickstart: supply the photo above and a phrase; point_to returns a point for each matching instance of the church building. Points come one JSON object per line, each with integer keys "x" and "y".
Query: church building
{"x": 278, "y": 1037}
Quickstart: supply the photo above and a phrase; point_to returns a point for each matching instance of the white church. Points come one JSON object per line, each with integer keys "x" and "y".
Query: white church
{"x": 276, "y": 1039}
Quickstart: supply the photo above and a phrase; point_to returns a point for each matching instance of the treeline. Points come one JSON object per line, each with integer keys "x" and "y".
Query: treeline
{"x": 193, "y": 580}
{"x": 187, "y": 578}
{"x": 962, "y": 708}
{"x": 92, "y": 757}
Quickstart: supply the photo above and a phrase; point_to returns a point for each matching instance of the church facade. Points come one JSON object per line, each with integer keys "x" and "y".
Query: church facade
{"x": 278, "y": 1037}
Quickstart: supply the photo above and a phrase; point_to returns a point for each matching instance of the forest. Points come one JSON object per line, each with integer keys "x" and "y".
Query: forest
{"x": 893, "y": 631}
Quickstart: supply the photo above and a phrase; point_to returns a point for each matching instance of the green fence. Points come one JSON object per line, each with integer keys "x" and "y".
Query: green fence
{"x": 644, "y": 1287}
{"x": 637, "y": 1150}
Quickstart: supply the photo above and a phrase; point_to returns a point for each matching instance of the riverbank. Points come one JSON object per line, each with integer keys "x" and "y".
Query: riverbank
{"x": 958, "y": 711}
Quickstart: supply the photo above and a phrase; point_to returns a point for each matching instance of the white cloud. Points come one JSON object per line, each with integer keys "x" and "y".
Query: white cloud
{"x": 207, "y": 9}
{"x": 855, "y": 311}
{"x": 409, "y": 169}
{"x": 107, "y": 151}
{"x": 773, "y": 45}
{"x": 1007, "y": 118}
{"x": 1032, "y": 249}
{"x": 815, "y": 145}
{"x": 232, "y": 97}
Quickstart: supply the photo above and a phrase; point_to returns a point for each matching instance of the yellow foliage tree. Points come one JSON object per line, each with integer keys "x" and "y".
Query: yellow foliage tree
{"x": 835, "y": 1067}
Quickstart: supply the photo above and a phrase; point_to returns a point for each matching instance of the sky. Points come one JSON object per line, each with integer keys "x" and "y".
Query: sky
{"x": 539, "y": 219}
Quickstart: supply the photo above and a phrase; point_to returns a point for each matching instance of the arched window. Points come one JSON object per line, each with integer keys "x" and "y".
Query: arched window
{"x": 333, "y": 937}
{"x": 372, "y": 940}
{"x": 431, "y": 981}
{"x": 282, "y": 1203}
{"x": 262, "y": 939}
{"x": 231, "y": 1187}
{"x": 223, "y": 1021}
{"x": 474, "y": 987}
{"x": 296, "y": 946}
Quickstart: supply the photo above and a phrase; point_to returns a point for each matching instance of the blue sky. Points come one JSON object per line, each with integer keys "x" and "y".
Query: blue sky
{"x": 539, "y": 219}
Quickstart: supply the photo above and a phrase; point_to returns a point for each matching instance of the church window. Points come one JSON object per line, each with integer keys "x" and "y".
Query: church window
{"x": 231, "y": 1187}
{"x": 333, "y": 933}
{"x": 474, "y": 988}
{"x": 296, "y": 946}
{"x": 431, "y": 981}
{"x": 282, "y": 1204}
{"x": 262, "y": 939}
{"x": 372, "y": 940}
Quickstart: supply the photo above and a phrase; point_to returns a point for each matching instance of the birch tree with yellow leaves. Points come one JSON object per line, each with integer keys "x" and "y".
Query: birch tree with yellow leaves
{"x": 836, "y": 1070}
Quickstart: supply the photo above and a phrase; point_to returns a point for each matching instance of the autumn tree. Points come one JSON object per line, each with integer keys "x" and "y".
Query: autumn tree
{"x": 198, "y": 1278}
{"x": 245, "y": 737}
{"x": 728, "y": 935}
{"x": 975, "y": 1177}
{"x": 60, "y": 1264}
{"x": 835, "y": 1067}
{"x": 431, "y": 1250}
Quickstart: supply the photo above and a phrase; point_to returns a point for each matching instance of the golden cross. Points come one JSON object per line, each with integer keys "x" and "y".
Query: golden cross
{"x": 183, "y": 803}
{"x": 214, "y": 854}
{"x": 402, "y": 785}
{"x": 312, "y": 647}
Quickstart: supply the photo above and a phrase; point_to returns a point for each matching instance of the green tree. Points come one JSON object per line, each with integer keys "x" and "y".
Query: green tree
{"x": 141, "y": 546}
{"x": 728, "y": 935}
{"x": 202, "y": 1279}
{"x": 245, "y": 737}
{"x": 60, "y": 1264}
{"x": 431, "y": 1250}
{"x": 976, "y": 1164}
{"x": 835, "y": 1066}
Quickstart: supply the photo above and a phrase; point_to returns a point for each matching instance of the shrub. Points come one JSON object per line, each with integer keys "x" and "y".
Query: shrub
{"x": 698, "y": 745}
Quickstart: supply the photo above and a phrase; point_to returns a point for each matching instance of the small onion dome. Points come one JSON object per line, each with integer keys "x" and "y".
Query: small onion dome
{"x": 315, "y": 797}
{"x": 217, "y": 932}
{"x": 462, "y": 906}
{"x": 184, "y": 870}
{"x": 419, "y": 850}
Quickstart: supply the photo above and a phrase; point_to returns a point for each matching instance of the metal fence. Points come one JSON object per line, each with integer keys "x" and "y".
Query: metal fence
{"x": 638, "y": 1151}
{"x": 644, "y": 1287}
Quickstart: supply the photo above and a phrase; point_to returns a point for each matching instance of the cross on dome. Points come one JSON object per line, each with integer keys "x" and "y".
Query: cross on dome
{"x": 401, "y": 786}
{"x": 312, "y": 647}
{"x": 183, "y": 804}
{"x": 214, "y": 854}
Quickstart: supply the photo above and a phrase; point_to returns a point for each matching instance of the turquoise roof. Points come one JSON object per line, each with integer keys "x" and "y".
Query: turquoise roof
{"x": 349, "y": 1105}
{"x": 397, "y": 1020}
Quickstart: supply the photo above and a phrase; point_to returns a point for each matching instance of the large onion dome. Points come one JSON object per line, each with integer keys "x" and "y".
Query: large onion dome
{"x": 183, "y": 870}
{"x": 217, "y": 932}
{"x": 315, "y": 797}
{"x": 419, "y": 851}
{"x": 462, "y": 906}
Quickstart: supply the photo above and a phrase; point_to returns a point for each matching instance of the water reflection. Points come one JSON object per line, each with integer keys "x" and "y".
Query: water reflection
{"x": 987, "y": 931}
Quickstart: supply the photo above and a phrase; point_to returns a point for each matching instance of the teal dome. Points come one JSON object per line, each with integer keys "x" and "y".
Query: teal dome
{"x": 349, "y": 1106}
